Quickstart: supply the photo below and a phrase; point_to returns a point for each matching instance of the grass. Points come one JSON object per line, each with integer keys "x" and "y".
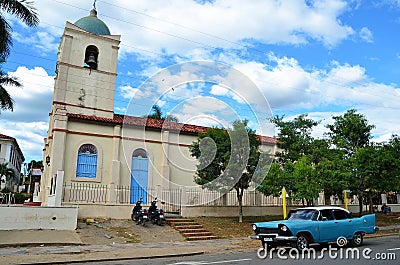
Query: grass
{"x": 229, "y": 227}
{"x": 121, "y": 231}
{"x": 386, "y": 220}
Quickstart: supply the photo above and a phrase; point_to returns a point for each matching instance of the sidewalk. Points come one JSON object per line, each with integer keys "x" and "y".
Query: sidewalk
{"x": 62, "y": 247}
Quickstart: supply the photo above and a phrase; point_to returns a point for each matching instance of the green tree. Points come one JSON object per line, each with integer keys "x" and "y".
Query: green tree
{"x": 294, "y": 137}
{"x": 7, "y": 172}
{"x": 228, "y": 159}
{"x": 294, "y": 167}
{"x": 348, "y": 133}
{"x": 23, "y": 10}
{"x": 156, "y": 113}
{"x": 329, "y": 168}
{"x": 377, "y": 166}
{"x": 394, "y": 151}
{"x": 35, "y": 164}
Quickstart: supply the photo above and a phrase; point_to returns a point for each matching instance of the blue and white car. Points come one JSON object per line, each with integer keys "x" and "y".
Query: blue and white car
{"x": 323, "y": 224}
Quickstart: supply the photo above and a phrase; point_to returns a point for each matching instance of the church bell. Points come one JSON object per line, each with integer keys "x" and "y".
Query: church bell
{"x": 92, "y": 61}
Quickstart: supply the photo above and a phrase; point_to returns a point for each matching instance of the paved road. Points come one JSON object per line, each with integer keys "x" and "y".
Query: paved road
{"x": 384, "y": 251}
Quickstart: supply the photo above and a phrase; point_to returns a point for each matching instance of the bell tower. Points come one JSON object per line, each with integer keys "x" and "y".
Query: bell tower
{"x": 86, "y": 68}
{"x": 84, "y": 84}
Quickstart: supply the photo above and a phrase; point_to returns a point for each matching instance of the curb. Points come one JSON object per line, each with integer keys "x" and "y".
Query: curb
{"x": 116, "y": 259}
{"x": 384, "y": 235}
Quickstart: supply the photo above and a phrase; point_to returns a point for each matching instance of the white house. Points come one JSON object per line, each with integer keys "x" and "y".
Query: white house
{"x": 11, "y": 153}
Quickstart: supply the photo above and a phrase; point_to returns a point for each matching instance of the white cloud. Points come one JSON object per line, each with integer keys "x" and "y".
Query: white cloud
{"x": 28, "y": 123}
{"x": 180, "y": 27}
{"x": 366, "y": 35}
{"x": 33, "y": 100}
{"x": 219, "y": 90}
{"x": 130, "y": 92}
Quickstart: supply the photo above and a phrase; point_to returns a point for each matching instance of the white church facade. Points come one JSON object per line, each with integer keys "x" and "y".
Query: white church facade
{"x": 89, "y": 144}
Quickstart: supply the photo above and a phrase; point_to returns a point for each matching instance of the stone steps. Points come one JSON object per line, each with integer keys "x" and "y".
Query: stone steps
{"x": 195, "y": 234}
{"x": 178, "y": 227}
{"x": 190, "y": 229}
{"x": 193, "y": 238}
{"x": 193, "y": 230}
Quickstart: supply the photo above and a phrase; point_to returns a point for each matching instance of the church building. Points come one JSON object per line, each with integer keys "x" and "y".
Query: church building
{"x": 89, "y": 144}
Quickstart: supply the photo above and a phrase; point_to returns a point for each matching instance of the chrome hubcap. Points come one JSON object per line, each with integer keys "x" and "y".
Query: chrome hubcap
{"x": 357, "y": 239}
{"x": 302, "y": 242}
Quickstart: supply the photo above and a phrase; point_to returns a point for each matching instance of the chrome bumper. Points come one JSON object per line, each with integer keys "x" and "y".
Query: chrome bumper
{"x": 274, "y": 237}
{"x": 376, "y": 228}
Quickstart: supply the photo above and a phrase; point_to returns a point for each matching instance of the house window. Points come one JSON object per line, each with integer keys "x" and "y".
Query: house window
{"x": 87, "y": 161}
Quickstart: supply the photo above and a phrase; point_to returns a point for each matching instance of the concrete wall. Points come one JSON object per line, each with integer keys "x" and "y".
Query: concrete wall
{"x": 38, "y": 217}
{"x": 124, "y": 211}
{"x": 105, "y": 211}
{"x": 118, "y": 211}
{"x": 232, "y": 211}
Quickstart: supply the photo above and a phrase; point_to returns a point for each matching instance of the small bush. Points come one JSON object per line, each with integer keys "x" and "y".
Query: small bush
{"x": 20, "y": 197}
{"x": 6, "y": 190}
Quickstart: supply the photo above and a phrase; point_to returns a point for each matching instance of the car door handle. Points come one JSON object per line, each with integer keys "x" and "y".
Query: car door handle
{"x": 350, "y": 221}
{"x": 336, "y": 222}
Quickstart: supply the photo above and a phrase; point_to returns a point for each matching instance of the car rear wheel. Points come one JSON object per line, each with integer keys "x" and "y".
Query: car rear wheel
{"x": 357, "y": 240}
{"x": 302, "y": 242}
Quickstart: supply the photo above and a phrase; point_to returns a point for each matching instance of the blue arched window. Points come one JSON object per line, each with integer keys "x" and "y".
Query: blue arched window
{"x": 87, "y": 161}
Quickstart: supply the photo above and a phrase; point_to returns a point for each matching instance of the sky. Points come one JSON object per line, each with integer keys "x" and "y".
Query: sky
{"x": 320, "y": 57}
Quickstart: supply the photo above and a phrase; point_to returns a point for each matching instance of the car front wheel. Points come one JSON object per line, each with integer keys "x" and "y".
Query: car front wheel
{"x": 357, "y": 240}
{"x": 302, "y": 242}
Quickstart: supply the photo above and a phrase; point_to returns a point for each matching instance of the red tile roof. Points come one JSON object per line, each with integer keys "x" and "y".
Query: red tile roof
{"x": 124, "y": 120}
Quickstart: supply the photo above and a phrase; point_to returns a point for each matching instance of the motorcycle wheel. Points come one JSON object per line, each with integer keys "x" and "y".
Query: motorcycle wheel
{"x": 160, "y": 222}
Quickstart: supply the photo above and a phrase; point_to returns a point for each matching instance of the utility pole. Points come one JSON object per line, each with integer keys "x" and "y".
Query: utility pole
{"x": 30, "y": 183}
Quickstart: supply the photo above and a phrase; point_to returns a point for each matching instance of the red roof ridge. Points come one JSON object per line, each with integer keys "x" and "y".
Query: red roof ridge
{"x": 154, "y": 124}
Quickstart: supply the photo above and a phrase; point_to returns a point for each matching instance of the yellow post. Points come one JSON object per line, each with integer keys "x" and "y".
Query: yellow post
{"x": 346, "y": 201}
{"x": 284, "y": 202}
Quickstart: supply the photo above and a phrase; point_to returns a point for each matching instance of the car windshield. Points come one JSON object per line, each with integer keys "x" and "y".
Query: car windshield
{"x": 303, "y": 214}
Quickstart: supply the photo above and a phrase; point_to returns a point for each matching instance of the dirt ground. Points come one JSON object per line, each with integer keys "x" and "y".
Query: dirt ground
{"x": 108, "y": 231}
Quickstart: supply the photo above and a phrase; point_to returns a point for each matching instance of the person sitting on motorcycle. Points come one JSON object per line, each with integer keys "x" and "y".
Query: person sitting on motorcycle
{"x": 153, "y": 207}
{"x": 136, "y": 210}
{"x": 137, "y": 207}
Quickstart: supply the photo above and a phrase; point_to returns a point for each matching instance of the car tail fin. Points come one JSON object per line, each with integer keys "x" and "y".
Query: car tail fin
{"x": 369, "y": 223}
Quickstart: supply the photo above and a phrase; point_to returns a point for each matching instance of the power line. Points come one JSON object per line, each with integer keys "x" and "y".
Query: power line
{"x": 250, "y": 48}
{"x": 220, "y": 96}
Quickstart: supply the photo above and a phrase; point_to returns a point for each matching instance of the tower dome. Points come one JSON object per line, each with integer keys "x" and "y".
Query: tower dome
{"x": 92, "y": 24}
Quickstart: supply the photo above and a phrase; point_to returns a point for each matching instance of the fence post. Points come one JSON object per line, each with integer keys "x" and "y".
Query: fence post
{"x": 59, "y": 187}
{"x": 112, "y": 195}
{"x": 183, "y": 196}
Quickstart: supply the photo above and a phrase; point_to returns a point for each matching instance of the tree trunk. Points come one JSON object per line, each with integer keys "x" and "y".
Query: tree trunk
{"x": 239, "y": 194}
{"x": 327, "y": 199}
{"x": 360, "y": 202}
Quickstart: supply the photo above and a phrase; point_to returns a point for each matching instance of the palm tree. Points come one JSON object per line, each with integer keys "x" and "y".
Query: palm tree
{"x": 158, "y": 115}
{"x": 7, "y": 172}
{"x": 6, "y": 102}
{"x": 23, "y": 10}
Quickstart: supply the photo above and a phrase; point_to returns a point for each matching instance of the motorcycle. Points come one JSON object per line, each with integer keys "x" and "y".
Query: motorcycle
{"x": 139, "y": 214}
{"x": 156, "y": 216}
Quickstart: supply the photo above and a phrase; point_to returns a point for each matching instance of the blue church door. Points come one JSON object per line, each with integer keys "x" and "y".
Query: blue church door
{"x": 139, "y": 176}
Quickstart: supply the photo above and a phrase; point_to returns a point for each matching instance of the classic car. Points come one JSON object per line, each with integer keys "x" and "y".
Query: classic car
{"x": 323, "y": 224}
